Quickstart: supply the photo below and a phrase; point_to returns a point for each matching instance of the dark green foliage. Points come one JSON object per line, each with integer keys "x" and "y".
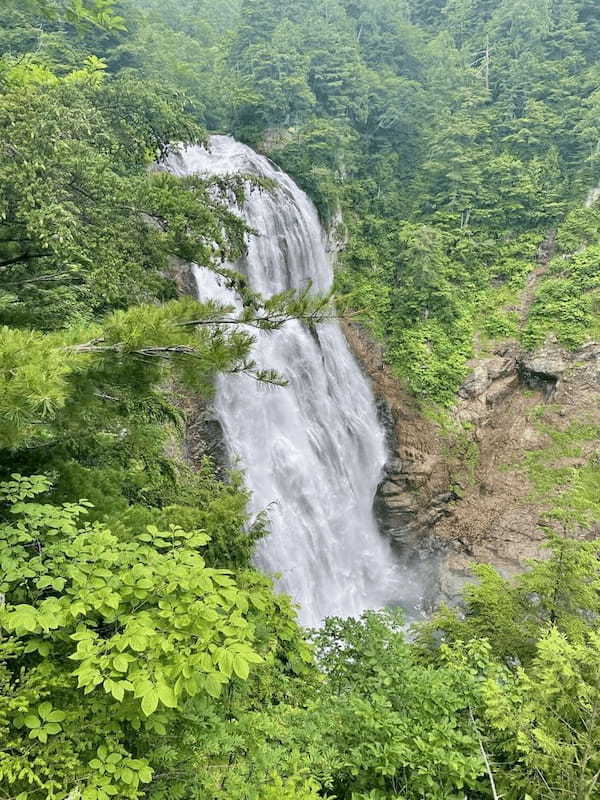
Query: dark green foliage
{"x": 473, "y": 120}
{"x": 76, "y": 242}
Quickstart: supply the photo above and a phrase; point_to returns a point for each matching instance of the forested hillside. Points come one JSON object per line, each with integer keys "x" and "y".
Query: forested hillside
{"x": 142, "y": 655}
{"x": 452, "y": 136}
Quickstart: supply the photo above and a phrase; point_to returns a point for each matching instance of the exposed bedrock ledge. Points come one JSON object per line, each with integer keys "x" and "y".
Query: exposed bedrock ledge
{"x": 562, "y": 376}
{"x": 476, "y": 507}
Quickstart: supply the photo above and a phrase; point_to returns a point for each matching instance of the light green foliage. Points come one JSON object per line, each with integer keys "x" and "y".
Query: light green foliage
{"x": 42, "y": 374}
{"x": 193, "y": 340}
{"x": 120, "y": 625}
{"x": 256, "y": 739}
{"x": 33, "y": 388}
{"x": 107, "y": 616}
{"x": 547, "y": 721}
{"x": 561, "y": 591}
{"x": 538, "y": 707}
{"x": 567, "y": 302}
{"x": 563, "y": 473}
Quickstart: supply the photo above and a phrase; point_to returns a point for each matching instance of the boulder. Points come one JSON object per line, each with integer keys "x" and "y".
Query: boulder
{"x": 476, "y": 384}
{"x": 547, "y": 362}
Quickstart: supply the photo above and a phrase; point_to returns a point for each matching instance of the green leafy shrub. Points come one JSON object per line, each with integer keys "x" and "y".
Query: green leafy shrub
{"x": 106, "y": 632}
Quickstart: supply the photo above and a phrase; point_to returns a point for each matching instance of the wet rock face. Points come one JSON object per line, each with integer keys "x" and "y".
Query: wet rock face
{"x": 410, "y": 523}
{"x": 414, "y": 492}
{"x": 401, "y": 513}
{"x": 203, "y": 436}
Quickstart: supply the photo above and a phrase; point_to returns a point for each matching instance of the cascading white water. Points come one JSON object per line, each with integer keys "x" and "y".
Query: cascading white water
{"x": 312, "y": 452}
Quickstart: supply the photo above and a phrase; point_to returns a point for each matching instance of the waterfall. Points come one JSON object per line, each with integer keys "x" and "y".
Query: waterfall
{"x": 313, "y": 452}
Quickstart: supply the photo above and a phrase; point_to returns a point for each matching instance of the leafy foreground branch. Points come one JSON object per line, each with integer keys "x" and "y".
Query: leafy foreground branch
{"x": 40, "y": 374}
{"x": 118, "y": 627}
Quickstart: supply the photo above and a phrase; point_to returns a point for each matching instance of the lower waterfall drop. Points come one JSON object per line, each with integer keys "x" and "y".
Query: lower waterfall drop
{"x": 313, "y": 452}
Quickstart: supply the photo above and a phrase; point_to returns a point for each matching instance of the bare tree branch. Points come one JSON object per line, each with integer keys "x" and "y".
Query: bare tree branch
{"x": 484, "y": 755}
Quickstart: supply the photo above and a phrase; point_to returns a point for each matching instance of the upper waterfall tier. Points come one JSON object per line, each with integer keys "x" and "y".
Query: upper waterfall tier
{"x": 312, "y": 452}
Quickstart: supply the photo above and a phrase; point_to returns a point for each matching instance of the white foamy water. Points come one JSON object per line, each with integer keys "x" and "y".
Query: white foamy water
{"x": 313, "y": 452}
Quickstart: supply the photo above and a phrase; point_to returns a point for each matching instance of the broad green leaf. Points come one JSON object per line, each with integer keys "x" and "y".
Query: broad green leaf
{"x": 121, "y": 663}
{"x": 213, "y": 685}
{"x": 166, "y": 695}
{"x": 150, "y": 702}
{"x": 240, "y": 667}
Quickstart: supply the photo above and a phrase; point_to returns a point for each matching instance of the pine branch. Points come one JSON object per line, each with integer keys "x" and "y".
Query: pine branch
{"x": 4, "y": 265}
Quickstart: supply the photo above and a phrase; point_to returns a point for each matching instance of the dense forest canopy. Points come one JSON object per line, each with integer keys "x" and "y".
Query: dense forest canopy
{"x": 141, "y": 653}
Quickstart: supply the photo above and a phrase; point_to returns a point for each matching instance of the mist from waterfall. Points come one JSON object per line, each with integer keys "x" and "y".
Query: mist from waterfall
{"x": 313, "y": 452}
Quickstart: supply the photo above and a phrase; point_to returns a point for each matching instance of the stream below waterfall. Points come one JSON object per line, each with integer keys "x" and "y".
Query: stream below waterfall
{"x": 312, "y": 452}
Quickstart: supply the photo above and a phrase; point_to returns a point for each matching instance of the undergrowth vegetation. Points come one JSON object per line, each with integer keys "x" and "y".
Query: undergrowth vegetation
{"x": 567, "y": 303}
{"x": 566, "y": 474}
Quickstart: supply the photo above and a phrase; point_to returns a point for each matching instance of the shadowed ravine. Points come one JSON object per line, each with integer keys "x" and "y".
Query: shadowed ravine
{"x": 312, "y": 452}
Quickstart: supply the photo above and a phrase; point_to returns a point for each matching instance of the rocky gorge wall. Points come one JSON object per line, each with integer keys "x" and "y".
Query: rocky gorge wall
{"x": 460, "y": 494}
{"x": 454, "y": 496}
